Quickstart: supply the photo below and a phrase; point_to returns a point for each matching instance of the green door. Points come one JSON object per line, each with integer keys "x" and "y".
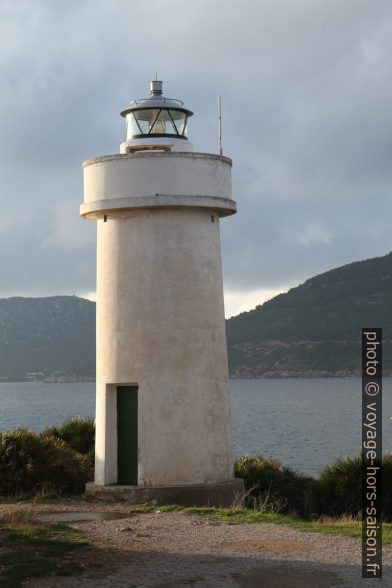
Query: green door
{"x": 127, "y": 434}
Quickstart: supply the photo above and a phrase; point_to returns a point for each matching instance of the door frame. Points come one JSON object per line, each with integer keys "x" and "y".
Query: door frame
{"x": 127, "y": 457}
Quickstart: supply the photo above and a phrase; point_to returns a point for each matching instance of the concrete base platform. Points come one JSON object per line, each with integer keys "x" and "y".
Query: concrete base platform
{"x": 221, "y": 494}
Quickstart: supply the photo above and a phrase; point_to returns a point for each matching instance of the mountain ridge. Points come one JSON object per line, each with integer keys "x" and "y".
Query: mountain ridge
{"x": 312, "y": 330}
{"x": 316, "y": 326}
{"x": 46, "y": 334}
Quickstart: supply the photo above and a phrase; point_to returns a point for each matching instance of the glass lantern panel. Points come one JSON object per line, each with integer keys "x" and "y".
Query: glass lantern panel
{"x": 163, "y": 125}
{"x": 180, "y": 121}
{"x": 145, "y": 119}
{"x": 140, "y": 122}
{"x": 132, "y": 126}
{"x": 156, "y": 121}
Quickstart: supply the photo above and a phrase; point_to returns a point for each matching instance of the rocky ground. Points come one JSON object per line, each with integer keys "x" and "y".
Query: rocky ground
{"x": 168, "y": 550}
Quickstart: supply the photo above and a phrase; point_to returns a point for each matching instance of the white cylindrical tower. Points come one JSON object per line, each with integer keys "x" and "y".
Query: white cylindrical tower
{"x": 162, "y": 410}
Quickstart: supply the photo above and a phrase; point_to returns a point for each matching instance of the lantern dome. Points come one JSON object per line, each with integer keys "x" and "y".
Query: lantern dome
{"x": 156, "y": 122}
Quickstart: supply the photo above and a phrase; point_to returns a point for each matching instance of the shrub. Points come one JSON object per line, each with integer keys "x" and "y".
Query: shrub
{"x": 268, "y": 479}
{"x": 336, "y": 492}
{"x": 31, "y": 463}
{"x": 339, "y": 487}
{"x": 78, "y": 433}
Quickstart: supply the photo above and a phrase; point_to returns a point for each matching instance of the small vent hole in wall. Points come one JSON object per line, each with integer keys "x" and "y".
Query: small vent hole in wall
{"x": 105, "y": 218}
{"x": 212, "y": 218}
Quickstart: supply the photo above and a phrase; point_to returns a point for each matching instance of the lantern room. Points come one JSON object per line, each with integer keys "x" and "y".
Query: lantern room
{"x": 157, "y": 123}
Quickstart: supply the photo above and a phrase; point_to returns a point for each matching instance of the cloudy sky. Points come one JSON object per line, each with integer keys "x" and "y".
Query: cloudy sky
{"x": 306, "y": 88}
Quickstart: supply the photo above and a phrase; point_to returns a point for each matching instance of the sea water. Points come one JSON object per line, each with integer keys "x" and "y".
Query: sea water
{"x": 305, "y": 423}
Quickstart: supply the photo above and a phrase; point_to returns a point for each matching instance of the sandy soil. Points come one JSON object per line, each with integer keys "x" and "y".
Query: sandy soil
{"x": 168, "y": 550}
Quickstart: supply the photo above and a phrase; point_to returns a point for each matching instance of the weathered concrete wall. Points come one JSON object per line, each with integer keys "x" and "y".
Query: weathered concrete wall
{"x": 160, "y": 323}
{"x": 151, "y": 174}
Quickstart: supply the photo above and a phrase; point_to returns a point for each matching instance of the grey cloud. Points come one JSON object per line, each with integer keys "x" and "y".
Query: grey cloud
{"x": 306, "y": 89}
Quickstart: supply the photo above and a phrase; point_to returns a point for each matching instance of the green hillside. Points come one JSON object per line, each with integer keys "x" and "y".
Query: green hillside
{"x": 45, "y": 335}
{"x": 315, "y": 328}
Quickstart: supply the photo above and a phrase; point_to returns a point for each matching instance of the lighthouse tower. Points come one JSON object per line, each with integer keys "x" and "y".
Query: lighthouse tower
{"x": 162, "y": 408}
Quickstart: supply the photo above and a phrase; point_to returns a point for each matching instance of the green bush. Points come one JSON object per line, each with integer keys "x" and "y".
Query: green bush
{"x": 78, "y": 433}
{"x": 31, "y": 463}
{"x": 339, "y": 487}
{"x": 336, "y": 492}
{"x": 268, "y": 481}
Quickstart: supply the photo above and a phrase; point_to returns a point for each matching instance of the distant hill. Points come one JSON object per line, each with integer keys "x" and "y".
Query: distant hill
{"x": 315, "y": 328}
{"x": 312, "y": 330}
{"x": 45, "y": 335}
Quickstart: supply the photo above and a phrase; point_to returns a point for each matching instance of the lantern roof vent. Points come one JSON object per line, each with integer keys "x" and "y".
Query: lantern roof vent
{"x": 156, "y": 100}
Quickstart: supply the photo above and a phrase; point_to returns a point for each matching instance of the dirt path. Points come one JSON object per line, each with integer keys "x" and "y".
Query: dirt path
{"x": 168, "y": 550}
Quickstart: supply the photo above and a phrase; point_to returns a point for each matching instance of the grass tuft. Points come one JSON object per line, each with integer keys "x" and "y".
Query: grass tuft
{"x": 273, "y": 487}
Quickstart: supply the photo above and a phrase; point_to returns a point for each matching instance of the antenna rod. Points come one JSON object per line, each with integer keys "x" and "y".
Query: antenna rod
{"x": 220, "y": 124}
